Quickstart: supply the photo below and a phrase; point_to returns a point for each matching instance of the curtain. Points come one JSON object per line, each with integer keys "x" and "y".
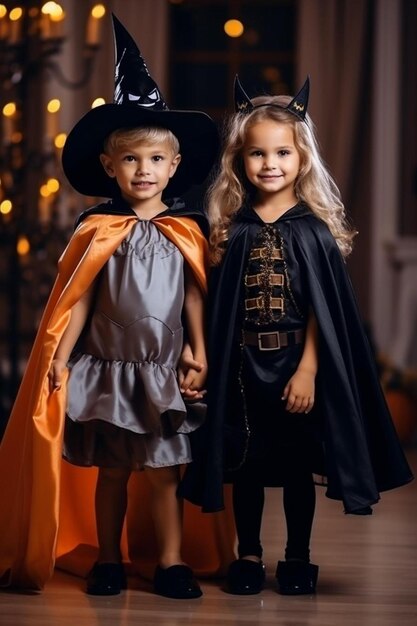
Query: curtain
{"x": 335, "y": 40}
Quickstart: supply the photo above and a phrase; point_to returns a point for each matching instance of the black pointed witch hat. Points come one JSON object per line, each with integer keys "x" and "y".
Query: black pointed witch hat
{"x": 297, "y": 106}
{"x": 137, "y": 102}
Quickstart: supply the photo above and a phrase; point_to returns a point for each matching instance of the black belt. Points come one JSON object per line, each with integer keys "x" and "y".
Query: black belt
{"x": 273, "y": 340}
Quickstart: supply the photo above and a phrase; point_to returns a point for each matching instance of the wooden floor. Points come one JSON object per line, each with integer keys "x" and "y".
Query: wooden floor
{"x": 368, "y": 577}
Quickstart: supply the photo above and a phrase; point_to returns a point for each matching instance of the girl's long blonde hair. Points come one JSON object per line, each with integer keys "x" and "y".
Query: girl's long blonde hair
{"x": 314, "y": 185}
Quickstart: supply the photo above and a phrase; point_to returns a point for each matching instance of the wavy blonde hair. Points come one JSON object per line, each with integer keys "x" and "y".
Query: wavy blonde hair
{"x": 314, "y": 184}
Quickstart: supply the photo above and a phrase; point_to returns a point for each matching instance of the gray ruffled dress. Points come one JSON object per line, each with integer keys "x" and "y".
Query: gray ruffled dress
{"x": 124, "y": 404}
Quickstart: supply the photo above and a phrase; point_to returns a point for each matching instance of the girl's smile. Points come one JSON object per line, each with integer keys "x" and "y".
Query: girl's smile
{"x": 271, "y": 160}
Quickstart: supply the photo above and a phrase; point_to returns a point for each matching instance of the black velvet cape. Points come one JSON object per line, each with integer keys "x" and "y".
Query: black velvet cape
{"x": 363, "y": 455}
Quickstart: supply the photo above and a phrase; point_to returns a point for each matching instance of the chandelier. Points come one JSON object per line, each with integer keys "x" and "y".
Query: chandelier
{"x": 34, "y": 228}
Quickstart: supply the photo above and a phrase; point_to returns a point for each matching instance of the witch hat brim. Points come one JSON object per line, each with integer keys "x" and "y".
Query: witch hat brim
{"x": 138, "y": 102}
{"x": 195, "y": 131}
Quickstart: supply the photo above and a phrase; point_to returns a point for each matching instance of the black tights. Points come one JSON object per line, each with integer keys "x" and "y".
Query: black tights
{"x": 299, "y": 499}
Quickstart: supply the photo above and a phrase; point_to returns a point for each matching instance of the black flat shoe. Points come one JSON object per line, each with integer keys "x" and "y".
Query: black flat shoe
{"x": 245, "y": 577}
{"x": 177, "y": 581}
{"x": 106, "y": 579}
{"x": 296, "y": 577}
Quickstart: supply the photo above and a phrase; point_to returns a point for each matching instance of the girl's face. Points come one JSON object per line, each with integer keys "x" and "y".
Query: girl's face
{"x": 142, "y": 171}
{"x": 271, "y": 160}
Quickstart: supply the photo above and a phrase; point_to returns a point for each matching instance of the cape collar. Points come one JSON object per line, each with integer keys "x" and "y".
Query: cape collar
{"x": 119, "y": 206}
{"x": 248, "y": 214}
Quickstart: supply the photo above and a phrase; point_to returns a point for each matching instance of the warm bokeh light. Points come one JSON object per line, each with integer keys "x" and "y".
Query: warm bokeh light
{"x": 17, "y": 137}
{"x": 9, "y": 109}
{"x": 53, "y": 9}
{"x": 5, "y": 207}
{"x": 44, "y": 191}
{"x": 98, "y": 11}
{"x": 234, "y": 28}
{"x": 3, "y": 10}
{"x": 23, "y": 245}
{"x": 58, "y": 16}
{"x": 52, "y": 184}
{"x": 251, "y": 37}
{"x": 271, "y": 74}
{"x": 53, "y": 105}
{"x": 47, "y": 7}
{"x": 15, "y": 14}
{"x": 60, "y": 140}
{"x": 50, "y": 187}
{"x": 98, "y": 102}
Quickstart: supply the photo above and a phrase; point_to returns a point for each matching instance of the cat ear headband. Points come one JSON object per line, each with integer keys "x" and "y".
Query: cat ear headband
{"x": 297, "y": 106}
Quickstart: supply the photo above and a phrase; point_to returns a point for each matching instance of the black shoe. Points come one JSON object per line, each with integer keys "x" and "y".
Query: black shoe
{"x": 176, "y": 581}
{"x": 296, "y": 577}
{"x": 245, "y": 577}
{"x": 106, "y": 579}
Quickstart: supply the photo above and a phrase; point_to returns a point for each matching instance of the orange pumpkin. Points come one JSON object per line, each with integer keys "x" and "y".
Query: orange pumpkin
{"x": 404, "y": 413}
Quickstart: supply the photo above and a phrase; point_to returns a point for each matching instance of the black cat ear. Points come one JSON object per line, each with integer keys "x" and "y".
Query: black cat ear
{"x": 242, "y": 100}
{"x": 299, "y": 103}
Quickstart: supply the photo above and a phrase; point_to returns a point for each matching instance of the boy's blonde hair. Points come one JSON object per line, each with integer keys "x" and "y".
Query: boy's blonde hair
{"x": 314, "y": 185}
{"x": 150, "y": 135}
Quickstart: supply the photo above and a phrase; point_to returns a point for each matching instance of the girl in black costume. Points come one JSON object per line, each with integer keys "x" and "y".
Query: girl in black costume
{"x": 293, "y": 389}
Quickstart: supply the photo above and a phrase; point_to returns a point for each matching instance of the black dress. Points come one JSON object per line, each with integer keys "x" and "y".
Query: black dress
{"x": 350, "y": 436}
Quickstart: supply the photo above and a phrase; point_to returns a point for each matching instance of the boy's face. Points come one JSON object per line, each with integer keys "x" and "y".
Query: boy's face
{"x": 141, "y": 170}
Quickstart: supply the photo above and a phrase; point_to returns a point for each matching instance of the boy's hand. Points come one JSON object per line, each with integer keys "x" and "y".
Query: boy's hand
{"x": 192, "y": 385}
{"x": 58, "y": 367}
{"x": 299, "y": 392}
{"x": 193, "y": 382}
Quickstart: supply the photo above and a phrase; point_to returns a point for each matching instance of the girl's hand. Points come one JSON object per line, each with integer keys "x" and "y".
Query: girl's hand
{"x": 58, "y": 367}
{"x": 192, "y": 385}
{"x": 188, "y": 371}
{"x": 299, "y": 392}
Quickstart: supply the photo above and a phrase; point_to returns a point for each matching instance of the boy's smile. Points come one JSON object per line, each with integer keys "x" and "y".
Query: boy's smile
{"x": 142, "y": 171}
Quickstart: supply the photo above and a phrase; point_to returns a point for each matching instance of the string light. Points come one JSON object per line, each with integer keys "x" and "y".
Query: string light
{"x": 234, "y": 28}
{"x": 9, "y": 109}
{"x": 44, "y": 191}
{"x": 53, "y": 9}
{"x": 23, "y": 246}
{"x": 60, "y": 140}
{"x": 6, "y": 207}
{"x": 98, "y": 11}
{"x": 98, "y": 102}
{"x": 53, "y": 185}
{"x": 16, "y": 14}
{"x": 53, "y": 105}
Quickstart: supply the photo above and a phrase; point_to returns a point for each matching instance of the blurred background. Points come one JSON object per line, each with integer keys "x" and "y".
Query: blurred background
{"x": 56, "y": 61}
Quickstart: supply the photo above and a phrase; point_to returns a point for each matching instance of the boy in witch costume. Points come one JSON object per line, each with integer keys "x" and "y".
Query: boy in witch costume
{"x": 134, "y": 270}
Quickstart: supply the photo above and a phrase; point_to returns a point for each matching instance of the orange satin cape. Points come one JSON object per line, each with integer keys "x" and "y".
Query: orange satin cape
{"x": 47, "y": 505}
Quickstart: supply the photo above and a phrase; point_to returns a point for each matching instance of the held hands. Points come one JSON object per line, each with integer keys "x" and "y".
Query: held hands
{"x": 299, "y": 392}
{"x": 58, "y": 367}
{"x": 191, "y": 375}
